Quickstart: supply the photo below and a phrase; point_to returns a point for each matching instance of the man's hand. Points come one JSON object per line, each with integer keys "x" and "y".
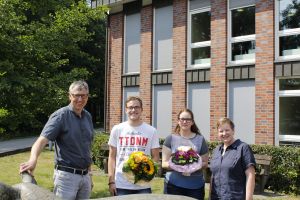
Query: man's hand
{"x": 92, "y": 183}
{"x": 36, "y": 149}
{"x": 112, "y": 189}
{"x": 28, "y": 166}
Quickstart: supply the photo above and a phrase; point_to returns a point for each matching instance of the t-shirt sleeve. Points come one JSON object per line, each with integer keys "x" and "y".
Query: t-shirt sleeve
{"x": 113, "y": 137}
{"x": 167, "y": 141}
{"x": 155, "y": 140}
{"x": 204, "y": 147}
{"x": 248, "y": 157}
{"x": 53, "y": 127}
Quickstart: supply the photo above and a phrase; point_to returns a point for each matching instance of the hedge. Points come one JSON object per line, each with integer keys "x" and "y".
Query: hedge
{"x": 285, "y": 165}
{"x": 99, "y": 139}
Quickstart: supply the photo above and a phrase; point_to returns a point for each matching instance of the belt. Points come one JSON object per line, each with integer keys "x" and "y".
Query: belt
{"x": 71, "y": 170}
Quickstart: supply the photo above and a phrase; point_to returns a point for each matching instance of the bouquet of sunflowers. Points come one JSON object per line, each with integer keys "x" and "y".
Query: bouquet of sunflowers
{"x": 186, "y": 160}
{"x": 139, "y": 169}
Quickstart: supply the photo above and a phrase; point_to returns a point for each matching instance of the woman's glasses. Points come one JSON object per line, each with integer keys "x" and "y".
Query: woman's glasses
{"x": 187, "y": 120}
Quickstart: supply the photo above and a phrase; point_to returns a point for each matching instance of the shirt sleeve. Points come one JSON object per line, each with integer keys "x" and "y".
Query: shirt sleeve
{"x": 204, "y": 147}
{"x": 167, "y": 141}
{"x": 155, "y": 140}
{"x": 248, "y": 157}
{"x": 113, "y": 137}
{"x": 53, "y": 126}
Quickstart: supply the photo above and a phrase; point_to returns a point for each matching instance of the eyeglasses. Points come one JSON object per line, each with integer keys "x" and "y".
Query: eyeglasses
{"x": 187, "y": 120}
{"x": 82, "y": 96}
{"x": 133, "y": 107}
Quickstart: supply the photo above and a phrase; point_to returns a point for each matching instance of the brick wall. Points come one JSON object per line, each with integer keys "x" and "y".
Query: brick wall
{"x": 179, "y": 58}
{"x": 264, "y": 73}
{"x": 218, "y": 93}
{"x": 146, "y": 62}
{"x": 115, "y": 68}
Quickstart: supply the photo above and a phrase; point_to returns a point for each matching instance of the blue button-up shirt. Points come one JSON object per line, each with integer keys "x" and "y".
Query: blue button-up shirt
{"x": 73, "y": 136}
{"x": 228, "y": 171}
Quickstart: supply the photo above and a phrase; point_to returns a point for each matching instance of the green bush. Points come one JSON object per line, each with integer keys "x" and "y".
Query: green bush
{"x": 97, "y": 154}
{"x": 285, "y": 167}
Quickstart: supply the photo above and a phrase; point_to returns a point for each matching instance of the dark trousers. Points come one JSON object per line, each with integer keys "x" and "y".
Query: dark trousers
{"x": 194, "y": 193}
{"x": 121, "y": 192}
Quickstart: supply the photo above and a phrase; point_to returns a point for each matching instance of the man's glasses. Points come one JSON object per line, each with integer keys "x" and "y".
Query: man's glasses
{"x": 188, "y": 120}
{"x": 82, "y": 96}
{"x": 133, "y": 107}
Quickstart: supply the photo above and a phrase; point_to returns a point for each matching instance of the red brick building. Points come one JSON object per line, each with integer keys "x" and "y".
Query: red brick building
{"x": 235, "y": 58}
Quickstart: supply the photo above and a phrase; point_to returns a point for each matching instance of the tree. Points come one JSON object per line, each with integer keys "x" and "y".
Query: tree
{"x": 45, "y": 45}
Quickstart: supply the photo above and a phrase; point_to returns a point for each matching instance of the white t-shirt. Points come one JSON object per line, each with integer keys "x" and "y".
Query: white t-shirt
{"x": 128, "y": 139}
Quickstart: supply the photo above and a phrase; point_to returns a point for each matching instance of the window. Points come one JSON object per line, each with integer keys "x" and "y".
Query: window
{"x": 163, "y": 42}
{"x": 162, "y": 109}
{"x": 288, "y": 109}
{"x": 241, "y": 32}
{"x": 287, "y": 29}
{"x": 199, "y": 40}
{"x": 199, "y": 103}
{"x": 241, "y": 108}
{"x": 132, "y": 43}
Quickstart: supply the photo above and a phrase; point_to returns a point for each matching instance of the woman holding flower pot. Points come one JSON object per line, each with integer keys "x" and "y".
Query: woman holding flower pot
{"x": 184, "y": 154}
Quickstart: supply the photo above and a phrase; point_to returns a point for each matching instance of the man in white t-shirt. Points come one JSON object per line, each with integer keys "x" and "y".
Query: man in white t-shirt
{"x": 125, "y": 138}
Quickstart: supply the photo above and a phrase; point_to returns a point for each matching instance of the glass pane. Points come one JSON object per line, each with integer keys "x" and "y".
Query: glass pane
{"x": 200, "y": 55}
{"x": 289, "y": 14}
{"x": 243, "y": 21}
{"x": 243, "y": 50}
{"x": 289, "y": 45}
{"x": 289, "y": 84}
{"x": 289, "y": 115}
{"x": 201, "y": 27}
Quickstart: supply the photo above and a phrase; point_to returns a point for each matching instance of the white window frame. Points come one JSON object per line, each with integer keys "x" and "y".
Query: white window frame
{"x": 278, "y": 94}
{"x": 196, "y": 44}
{"x": 232, "y": 40}
{"x": 278, "y": 34}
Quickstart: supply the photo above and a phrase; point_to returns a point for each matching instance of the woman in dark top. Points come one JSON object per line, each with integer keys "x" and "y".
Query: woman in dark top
{"x": 232, "y": 165}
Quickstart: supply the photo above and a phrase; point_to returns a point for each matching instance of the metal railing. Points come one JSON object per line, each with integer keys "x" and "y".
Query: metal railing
{"x": 95, "y": 3}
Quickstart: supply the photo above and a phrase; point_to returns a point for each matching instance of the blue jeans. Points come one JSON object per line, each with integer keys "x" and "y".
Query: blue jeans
{"x": 121, "y": 191}
{"x": 175, "y": 190}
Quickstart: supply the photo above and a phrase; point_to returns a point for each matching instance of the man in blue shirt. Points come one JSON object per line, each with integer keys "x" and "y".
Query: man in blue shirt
{"x": 71, "y": 128}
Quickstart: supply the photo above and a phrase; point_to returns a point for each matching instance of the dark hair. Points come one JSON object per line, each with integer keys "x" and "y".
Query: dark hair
{"x": 225, "y": 120}
{"x": 134, "y": 98}
{"x": 194, "y": 127}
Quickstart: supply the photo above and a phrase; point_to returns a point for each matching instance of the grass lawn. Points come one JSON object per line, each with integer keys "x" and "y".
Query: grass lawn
{"x": 44, "y": 173}
{"x": 9, "y": 175}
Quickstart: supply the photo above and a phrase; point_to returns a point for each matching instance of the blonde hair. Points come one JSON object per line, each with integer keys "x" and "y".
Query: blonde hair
{"x": 225, "y": 120}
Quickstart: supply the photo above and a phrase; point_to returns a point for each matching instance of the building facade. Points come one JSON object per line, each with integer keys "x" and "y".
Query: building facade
{"x": 234, "y": 58}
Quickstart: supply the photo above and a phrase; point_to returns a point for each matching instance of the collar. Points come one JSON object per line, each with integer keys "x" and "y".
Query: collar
{"x": 70, "y": 108}
{"x": 234, "y": 145}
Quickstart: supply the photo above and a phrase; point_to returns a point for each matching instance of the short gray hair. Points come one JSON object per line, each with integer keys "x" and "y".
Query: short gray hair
{"x": 80, "y": 85}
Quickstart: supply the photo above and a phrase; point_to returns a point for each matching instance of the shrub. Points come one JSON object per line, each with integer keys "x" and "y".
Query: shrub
{"x": 285, "y": 167}
{"x": 97, "y": 154}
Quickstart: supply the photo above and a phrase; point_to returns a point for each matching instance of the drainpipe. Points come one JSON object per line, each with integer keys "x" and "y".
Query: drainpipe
{"x": 106, "y": 68}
